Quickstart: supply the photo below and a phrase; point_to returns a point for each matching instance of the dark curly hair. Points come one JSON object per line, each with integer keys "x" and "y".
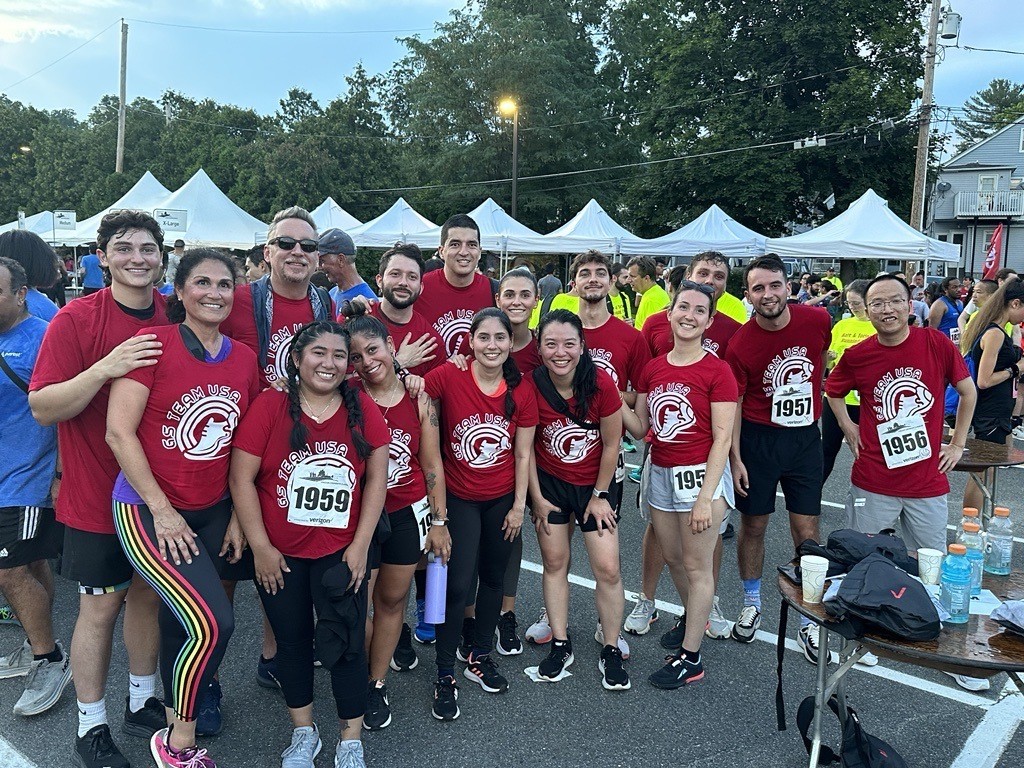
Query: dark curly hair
{"x": 509, "y": 369}
{"x": 192, "y": 259}
{"x": 121, "y": 221}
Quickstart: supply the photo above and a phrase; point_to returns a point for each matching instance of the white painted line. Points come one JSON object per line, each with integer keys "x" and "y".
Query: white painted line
{"x": 989, "y": 740}
{"x": 11, "y": 757}
{"x": 949, "y": 692}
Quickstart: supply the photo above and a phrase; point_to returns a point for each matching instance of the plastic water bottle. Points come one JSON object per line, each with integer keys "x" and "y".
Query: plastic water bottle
{"x": 970, "y": 516}
{"x": 999, "y": 542}
{"x": 437, "y": 590}
{"x": 972, "y": 539}
{"x": 955, "y": 586}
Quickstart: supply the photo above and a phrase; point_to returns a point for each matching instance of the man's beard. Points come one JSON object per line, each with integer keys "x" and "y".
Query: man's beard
{"x": 397, "y": 303}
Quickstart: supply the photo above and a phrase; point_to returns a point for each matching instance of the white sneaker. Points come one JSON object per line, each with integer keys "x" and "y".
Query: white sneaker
{"x": 971, "y": 683}
{"x": 718, "y": 627}
{"x": 1018, "y": 433}
{"x": 539, "y": 632}
{"x": 641, "y": 617}
{"x": 868, "y": 660}
{"x": 623, "y": 645}
{"x": 17, "y": 663}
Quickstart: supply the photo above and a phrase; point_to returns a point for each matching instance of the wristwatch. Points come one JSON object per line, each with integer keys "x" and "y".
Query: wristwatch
{"x": 600, "y": 494}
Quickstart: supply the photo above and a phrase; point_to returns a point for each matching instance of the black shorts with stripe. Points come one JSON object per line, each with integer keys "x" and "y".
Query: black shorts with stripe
{"x": 28, "y": 534}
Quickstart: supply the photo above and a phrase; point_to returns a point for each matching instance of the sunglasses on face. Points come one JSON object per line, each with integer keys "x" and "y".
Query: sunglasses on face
{"x": 289, "y": 243}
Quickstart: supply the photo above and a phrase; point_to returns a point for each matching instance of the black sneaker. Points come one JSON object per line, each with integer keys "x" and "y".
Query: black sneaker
{"x": 404, "y": 658}
{"x": 613, "y": 675}
{"x": 729, "y": 533}
{"x": 559, "y": 658}
{"x": 266, "y": 673}
{"x": 446, "y": 699}
{"x": 677, "y": 672}
{"x": 209, "y": 718}
{"x": 378, "y": 708}
{"x": 97, "y": 750}
{"x": 483, "y": 671}
{"x": 508, "y": 643}
{"x": 468, "y": 634}
{"x": 147, "y": 721}
{"x": 673, "y": 639}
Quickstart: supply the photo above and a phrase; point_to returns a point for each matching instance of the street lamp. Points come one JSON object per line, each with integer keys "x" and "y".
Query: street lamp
{"x": 510, "y": 108}
{"x": 25, "y": 149}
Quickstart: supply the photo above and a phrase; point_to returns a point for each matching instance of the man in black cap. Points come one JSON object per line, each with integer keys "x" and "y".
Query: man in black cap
{"x": 338, "y": 262}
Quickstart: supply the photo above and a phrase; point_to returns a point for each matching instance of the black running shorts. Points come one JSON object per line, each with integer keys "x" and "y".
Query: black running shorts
{"x": 403, "y": 545}
{"x": 572, "y": 500}
{"x": 28, "y": 534}
{"x": 786, "y": 456}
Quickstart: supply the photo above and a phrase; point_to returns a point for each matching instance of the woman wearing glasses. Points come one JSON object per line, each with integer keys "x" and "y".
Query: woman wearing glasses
{"x": 687, "y": 399}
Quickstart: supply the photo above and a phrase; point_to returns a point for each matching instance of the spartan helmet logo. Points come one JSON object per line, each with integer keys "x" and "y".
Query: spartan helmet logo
{"x": 793, "y": 370}
{"x": 607, "y": 367}
{"x": 484, "y": 445}
{"x": 204, "y": 432}
{"x": 570, "y": 443}
{"x": 281, "y": 358}
{"x": 905, "y": 397}
{"x": 671, "y": 415}
{"x": 399, "y": 457}
{"x": 452, "y": 332}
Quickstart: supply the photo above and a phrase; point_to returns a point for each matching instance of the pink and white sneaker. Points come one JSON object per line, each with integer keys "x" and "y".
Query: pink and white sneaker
{"x": 166, "y": 756}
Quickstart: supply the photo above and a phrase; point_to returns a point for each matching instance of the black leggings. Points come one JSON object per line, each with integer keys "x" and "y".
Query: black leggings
{"x": 832, "y": 435}
{"x": 290, "y": 613}
{"x": 475, "y": 528}
{"x": 196, "y": 617}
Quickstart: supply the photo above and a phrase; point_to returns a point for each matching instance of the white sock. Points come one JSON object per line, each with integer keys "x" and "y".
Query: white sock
{"x": 140, "y": 689}
{"x": 91, "y": 715}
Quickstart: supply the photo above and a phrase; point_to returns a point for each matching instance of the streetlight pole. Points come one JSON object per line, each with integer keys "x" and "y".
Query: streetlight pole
{"x": 507, "y": 107}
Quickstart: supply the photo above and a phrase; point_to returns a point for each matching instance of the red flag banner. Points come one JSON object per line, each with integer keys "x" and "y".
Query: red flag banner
{"x": 992, "y": 253}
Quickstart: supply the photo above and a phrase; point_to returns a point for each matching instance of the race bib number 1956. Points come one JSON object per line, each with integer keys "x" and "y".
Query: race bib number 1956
{"x": 904, "y": 441}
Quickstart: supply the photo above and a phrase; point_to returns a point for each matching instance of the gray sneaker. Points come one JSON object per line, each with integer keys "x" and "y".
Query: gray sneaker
{"x": 641, "y": 617}
{"x": 349, "y": 754}
{"x": 305, "y": 747}
{"x": 17, "y": 663}
{"x": 45, "y": 683}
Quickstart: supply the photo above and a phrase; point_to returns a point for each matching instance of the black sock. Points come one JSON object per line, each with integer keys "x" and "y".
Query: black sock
{"x": 691, "y": 656}
{"x": 55, "y": 655}
{"x": 421, "y": 584}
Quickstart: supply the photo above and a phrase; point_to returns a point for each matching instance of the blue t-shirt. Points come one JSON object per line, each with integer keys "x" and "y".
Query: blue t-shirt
{"x": 39, "y": 305}
{"x": 93, "y": 272}
{"x": 29, "y": 450}
{"x": 340, "y": 297}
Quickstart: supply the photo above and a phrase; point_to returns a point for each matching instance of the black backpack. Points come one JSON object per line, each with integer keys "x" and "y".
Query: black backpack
{"x": 859, "y": 748}
{"x": 851, "y": 547}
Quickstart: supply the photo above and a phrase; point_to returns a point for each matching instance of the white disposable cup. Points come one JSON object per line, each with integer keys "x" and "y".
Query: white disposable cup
{"x": 929, "y": 565}
{"x": 813, "y": 570}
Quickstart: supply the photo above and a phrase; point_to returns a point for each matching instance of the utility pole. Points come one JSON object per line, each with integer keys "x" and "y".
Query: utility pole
{"x": 924, "y": 127}
{"x": 121, "y": 109}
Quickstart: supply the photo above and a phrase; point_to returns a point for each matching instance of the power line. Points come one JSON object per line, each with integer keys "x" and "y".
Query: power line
{"x": 281, "y": 31}
{"x": 57, "y": 61}
{"x": 990, "y": 50}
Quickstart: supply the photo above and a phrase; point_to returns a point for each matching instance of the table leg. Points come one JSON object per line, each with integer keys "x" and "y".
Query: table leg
{"x": 819, "y": 695}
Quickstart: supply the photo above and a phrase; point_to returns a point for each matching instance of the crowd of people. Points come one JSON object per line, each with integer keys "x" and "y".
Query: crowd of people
{"x": 220, "y": 422}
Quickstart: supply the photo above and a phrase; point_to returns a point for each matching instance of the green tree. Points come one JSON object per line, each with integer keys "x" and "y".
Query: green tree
{"x": 991, "y": 108}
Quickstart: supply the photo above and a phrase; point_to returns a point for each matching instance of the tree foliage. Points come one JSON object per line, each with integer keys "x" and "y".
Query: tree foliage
{"x": 992, "y": 108}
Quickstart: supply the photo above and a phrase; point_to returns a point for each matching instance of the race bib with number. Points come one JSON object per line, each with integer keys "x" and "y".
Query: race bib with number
{"x": 954, "y": 335}
{"x": 620, "y": 468}
{"x": 320, "y": 497}
{"x": 904, "y": 441}
{"x": 793, "y": 405}
{"x": 421, "y": 511}
{"x": 687, "y": 482}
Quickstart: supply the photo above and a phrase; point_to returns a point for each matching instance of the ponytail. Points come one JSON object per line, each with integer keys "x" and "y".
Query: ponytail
{"x": 510, "y": 372}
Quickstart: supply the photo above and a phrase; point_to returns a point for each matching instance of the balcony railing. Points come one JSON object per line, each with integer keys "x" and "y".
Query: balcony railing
{"x": 994, "y": 205}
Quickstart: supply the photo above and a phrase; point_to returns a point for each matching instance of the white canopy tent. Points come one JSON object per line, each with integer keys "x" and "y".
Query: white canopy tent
{"x": 713, "y": 230}
{"x": 41, "y": 223}
{"x": 329, "y": 214}
{"x": 145, "y": 195}
{"x": 398, "y": 224}
{"x": 592, "y": 228}
{"x": 865, "y": 230}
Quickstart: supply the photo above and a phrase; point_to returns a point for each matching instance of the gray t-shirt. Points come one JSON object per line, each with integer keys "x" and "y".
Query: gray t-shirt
{"x": 549, "y": 286}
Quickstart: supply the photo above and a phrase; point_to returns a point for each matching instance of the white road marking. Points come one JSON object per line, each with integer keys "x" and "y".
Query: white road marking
{"x": 11, "y": 757}
{"x": 989, "y": 740}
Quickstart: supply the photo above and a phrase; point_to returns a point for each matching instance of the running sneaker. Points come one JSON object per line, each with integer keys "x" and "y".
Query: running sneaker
{"x": 7, "y": 615}
{"x": 747, "y": 624}
{"x": 468, "y": 634}
{"x": 539, "y": 632}
{"x": 446, "y": 699}
{"x": 266, "y": 673}
{"x": 45, "y": 683}
{"x": 305, "y": 746}
{"x": 635, "y": 474}
{"x": 718, "y": 627}
{"x": 404, "y": 658}
{"x": 599, "y": 639}
{"x": 641, "y": 617}
{"x": 147, "y": 721}
{"x": 378, "y": 708}
{"x": 971, "y": 683}
{"x": 677, "y": 672}
{"x": 868, "y": 660}
{"x": 1018, "y": 434}
{"x": 16, "y": 663}
{"x": 483, "y": 670}
{"x": 96, "y": 749}
{"x": 729, "y": 532}
{"x": 166, "y": 756}
{"x": 424, "y": 633}
{"x": 673, "y": 639}
{"x": 613, "y": 675}
{"x": 807, "y": 639}
{"x": 508, "y": 643}
{"x": 628, "y": 446}
{"x": 559, "y": 658}
{"x": 209, "y": 721}
{"x": 349, "y": 754}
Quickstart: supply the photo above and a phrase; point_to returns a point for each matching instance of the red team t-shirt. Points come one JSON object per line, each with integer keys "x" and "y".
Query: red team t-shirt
{"x": 190, "y": 417}
{"x": 285, "y": 473}
{"x": 80, "y": 335}
{"x": 657, "y": 332}
{"x": 767, "y": 361}
{"x": 527, "y": 358}
{"x": 450, "y": 310}
{"x": 679, "y": 399}
{"x": 897, "y": 383}
{"x": 619, "y": 350}
{"x": 563, "y": 448}
{"x": 417, "y": 326}
{"x": 477, "y": 440}
{"x": 406, "y": 484}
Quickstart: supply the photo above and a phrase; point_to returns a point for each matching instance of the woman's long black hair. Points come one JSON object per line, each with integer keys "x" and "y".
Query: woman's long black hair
{"x": 192, "y": 259}
{"x": 509, "y": 369}
{"x": 584, "y": 378}
{"x": 349, "y": 395}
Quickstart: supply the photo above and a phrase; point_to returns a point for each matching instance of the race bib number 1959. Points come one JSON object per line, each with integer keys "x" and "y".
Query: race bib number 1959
{"x": 319, "y": 497}
{"x": 793, "y": 405}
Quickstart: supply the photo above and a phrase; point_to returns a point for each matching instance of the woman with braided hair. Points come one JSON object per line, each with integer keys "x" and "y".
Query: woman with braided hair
{"x": 308, "y": 480}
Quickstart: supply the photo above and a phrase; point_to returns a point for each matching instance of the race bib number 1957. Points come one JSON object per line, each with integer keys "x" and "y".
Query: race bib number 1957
{"x": 793, "y": 405}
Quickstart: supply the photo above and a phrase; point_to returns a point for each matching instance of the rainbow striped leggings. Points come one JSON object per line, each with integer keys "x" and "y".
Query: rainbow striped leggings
{"x": 196, "y": 618}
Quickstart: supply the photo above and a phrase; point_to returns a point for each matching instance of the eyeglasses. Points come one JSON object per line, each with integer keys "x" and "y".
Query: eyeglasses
{"x": 288, "y": 243}
{"x": 690, "y": 285}
{"x": 876, "y": 306}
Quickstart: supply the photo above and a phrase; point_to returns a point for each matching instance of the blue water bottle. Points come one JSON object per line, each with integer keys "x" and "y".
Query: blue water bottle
{"x": 955, "y": 586}
{"x": 972, "y": 539}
